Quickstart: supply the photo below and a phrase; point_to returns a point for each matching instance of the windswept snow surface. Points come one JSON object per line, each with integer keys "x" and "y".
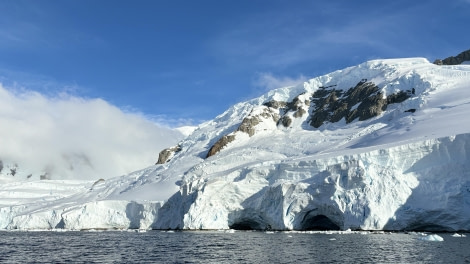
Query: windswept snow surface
{"x": 186, "y": 130}
{"x": 397, "y": 171}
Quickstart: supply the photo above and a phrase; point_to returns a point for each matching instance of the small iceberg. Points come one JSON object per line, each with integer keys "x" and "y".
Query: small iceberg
{"x": 458, "y": 235}
{"x": 432, "y": 237}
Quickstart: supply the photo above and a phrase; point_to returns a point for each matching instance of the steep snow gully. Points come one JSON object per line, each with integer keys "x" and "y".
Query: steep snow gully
{"x": 384, "y": 145}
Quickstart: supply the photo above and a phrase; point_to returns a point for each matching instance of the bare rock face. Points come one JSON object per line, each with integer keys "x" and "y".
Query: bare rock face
{"x": 165, "y": 155}
{"x": 327, "y": 104}
{"x": 247, "y": 126}
{"x": 299, "y": 113}
{"x": 275, "y": 104}
{"x": 220, "y": 144}
{"x": 286, "y": 121}
{"x": 370, "y": 107}
{"x": 297, "y": 106}
{"x": 463, "y": 56}
{"x": 10, "y": 169}
{"x": 363, "y": 101}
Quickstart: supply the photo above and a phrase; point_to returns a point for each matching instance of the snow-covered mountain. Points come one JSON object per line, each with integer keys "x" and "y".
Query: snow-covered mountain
{"x": 381, "y": 145}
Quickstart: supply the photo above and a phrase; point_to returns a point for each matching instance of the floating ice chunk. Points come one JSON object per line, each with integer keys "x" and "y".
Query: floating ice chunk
{"x": 229, "y": 231}
{"x": 432, "y": 237}
{"x": 459, "y": 235}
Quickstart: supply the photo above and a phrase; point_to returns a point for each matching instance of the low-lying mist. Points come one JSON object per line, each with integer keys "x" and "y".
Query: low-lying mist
{"x": 69, "y": 137}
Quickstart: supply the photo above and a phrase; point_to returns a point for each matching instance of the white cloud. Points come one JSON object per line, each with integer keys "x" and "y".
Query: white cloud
{"x": 76, "y": 138}
{"x": 168, "y": 121}
{"x": 267, "y": 81}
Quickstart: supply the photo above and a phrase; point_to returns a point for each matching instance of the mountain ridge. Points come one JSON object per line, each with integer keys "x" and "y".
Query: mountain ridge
{"x": 394, "y": 170}
{"x": 459, "y": 59}
{"x": 399, "y": 77}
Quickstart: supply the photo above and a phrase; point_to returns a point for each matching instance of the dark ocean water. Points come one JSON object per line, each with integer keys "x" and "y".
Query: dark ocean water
{"x": 221, "y": 247}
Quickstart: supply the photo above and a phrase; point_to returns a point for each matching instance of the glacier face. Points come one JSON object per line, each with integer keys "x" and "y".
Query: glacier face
{"x": 419, "y": 186}
{"x": 397, "y": 170}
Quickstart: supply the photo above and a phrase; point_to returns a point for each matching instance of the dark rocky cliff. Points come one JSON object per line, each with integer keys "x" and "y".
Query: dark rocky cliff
{"x": 327, "y": 104}
{"x": 459, "y": 59}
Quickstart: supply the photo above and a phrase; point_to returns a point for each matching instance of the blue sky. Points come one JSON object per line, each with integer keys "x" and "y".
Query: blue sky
{"x": 182, "y": 62}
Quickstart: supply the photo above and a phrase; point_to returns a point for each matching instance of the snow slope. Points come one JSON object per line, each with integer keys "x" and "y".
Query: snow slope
{"x": 403, "y": 164}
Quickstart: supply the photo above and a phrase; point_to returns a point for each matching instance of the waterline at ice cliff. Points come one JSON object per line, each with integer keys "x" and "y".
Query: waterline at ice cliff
{"x": 384, "y": 145}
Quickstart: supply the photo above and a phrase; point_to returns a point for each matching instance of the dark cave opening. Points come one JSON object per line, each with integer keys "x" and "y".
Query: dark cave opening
{"x": 247, "y": 224}
{"x": 319, "y": 223}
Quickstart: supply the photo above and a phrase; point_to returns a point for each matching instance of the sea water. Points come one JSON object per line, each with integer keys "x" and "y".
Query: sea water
{"x": 229, "y": 247}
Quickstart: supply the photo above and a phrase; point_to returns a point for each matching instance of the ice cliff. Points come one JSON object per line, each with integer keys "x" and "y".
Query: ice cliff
{"x": 383, "y": 145}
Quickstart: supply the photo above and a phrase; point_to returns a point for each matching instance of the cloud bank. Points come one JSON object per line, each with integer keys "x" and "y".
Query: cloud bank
{"x": 267, "y": 81}
{"x": 68, "y": 137}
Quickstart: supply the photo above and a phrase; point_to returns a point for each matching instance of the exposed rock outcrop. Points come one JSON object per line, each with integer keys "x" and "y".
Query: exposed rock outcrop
{"x": 275, "y": 104}
{"x": 165, "y": 155}
{"x": 327, "y": 104}
{"x": 297, "y": 106}
{"x": 220, "y": 144}
{"x": 247, "y": 126}
{"x": 459, "y": 59}
{"x": 363, "y": 101}
{"x": 286, "y": 121}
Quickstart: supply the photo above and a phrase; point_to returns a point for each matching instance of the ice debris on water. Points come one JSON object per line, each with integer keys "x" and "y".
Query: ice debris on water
{"x": 431, "y": 237}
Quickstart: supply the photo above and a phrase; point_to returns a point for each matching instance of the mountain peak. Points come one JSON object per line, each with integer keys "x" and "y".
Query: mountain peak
{"x": 378, "y": 146}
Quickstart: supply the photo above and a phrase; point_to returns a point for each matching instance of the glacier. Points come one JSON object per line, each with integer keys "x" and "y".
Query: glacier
{"x": 383, "y": 145}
